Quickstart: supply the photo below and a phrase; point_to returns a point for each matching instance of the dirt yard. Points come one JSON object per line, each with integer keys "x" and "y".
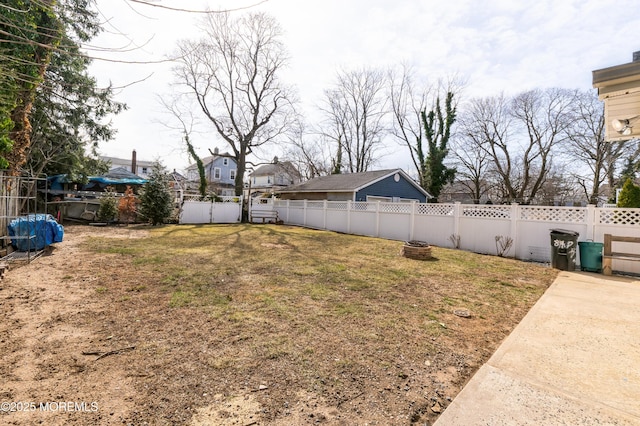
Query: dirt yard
{"x": 86, "y": 340}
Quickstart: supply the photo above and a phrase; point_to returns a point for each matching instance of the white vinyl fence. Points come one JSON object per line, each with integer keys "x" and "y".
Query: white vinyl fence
{"x": 473, "y": 227}
{"x": 229, "y": 210}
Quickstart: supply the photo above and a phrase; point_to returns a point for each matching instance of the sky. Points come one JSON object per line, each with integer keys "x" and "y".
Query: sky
{"x": 497, "y": 46}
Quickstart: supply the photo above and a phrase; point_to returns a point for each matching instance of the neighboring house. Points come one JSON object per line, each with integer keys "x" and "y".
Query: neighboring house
{"x": 177, "y": 181}
{"x": 460, "y": 192}
{"x": 380, "y": 185}
{"x": 270, "y": 178}
{"x": 220, "y": 171}
{"x": 135, "y": 166}
{"x": 619, "y": 88}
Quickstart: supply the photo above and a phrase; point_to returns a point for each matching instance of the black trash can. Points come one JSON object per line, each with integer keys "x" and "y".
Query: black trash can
{"x": 564, "y": 245}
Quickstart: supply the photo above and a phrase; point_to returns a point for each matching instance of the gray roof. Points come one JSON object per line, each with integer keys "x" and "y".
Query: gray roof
{"x": 273, "y": 168}
{"x": 209, "y": 159}
{"x": 348, "y": 182}
{"x": 117, "y": 160}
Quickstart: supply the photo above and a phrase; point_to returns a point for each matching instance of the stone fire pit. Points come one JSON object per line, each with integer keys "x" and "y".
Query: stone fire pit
{"x": 418, "y": 250}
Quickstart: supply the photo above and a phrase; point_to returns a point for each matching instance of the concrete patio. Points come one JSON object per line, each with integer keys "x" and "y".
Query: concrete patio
{"x": 573, "y": 360}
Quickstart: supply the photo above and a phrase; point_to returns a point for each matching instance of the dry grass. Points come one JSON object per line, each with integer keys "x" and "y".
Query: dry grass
{"x": 342, "y": 321}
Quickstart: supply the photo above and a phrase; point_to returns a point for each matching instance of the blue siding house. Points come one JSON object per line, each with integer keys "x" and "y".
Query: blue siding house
{"x": 380, "y": 185}
{"x": 220, "y": 170}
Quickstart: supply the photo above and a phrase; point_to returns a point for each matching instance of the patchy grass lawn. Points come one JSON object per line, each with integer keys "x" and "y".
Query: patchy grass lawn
{"x": 264, "y": 324}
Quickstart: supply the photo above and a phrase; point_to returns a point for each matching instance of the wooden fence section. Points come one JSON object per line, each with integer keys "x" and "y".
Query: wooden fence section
{"x": 468, "y": 226}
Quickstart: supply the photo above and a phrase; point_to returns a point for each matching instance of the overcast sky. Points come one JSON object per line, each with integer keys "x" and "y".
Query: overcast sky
{"x": 496, "y": 45}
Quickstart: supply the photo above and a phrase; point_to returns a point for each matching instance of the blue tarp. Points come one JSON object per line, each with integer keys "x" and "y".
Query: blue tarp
{"x": 36, "y": 231}
{"x": 114, "y": 177}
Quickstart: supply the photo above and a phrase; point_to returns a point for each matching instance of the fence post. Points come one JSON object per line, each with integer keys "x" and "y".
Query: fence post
{"x": 457, "y": 211}
{"x": 288, "y": 201}
{"x": 412, "y": 218}
{"x": 349, "y": 217}
{"x": 324, "y": 214}
{"x": 304, "y": 214}
{"x": 591, "y": 222}
{"x": 515, "y": 216}
{"x": 377, "y": 234}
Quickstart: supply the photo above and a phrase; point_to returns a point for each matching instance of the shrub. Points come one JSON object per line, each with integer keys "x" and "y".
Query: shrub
{"x": 108, "y": 211}
{"x": 629, "y": 196}
{"x": 156, "y": 199}
{"x": 128, "y": 206}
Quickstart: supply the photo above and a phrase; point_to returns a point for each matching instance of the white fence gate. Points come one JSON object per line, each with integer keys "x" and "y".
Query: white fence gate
{"x": 229, "y": 210}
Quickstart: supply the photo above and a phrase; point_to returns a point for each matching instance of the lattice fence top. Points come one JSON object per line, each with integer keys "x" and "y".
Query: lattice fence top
{"x": 395, "y": 207}
{"x": 491, "y": 212}
{"x": 620, "y": 216}
{"x": 553, "y": 214}
{"x": 296, "y": 203}
{"x": 436, "y": 209}
{"x": 361, "y": 206}
{"x": 315, "y": 204}
{"x": 198, "y": 197}
{"x": 337, "y": 205}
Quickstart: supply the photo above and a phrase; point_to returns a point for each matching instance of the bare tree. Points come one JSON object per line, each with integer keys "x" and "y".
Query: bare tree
{"x": 595, "y": 159}
{"x": 354, "y": 112}
{"x": 312, "y": 153}
{"x": 233, "y": 74}
{"x": 545, "y": 116}
{"x": 423, "y": 126}
{"x": 472, "y": 166}
{"x": 407, "y": 103}
{"x": 520, "y": 136}
{"x": 486, "y": 128}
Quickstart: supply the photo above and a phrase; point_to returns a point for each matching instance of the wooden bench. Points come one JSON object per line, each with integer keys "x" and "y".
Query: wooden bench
{"x": 270, "y": 215}
{"x": 609, "y": 255}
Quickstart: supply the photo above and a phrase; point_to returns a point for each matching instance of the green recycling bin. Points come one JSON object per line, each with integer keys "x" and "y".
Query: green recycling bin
{"x": 564, "y": 245}
{"x": 590, "y": 256}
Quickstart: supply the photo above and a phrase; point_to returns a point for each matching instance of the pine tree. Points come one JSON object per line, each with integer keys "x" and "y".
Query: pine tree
{"x": 156, "y": 200}
{"x": 108, "y": 211}
{"x": 629, "y": 196}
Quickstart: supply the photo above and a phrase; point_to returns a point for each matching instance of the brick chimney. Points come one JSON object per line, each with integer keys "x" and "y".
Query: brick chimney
{"x": 134, "y": 163}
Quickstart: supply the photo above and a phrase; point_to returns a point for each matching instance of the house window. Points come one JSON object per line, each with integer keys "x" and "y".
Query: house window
{"x": 216, "y": 173}
{"x": 373, "y": 199}
{"x": 268, "y": 179}
{"x": 144, "y": 170}
{"x": 225, "y": 161}
{"x": 232, "y": 174}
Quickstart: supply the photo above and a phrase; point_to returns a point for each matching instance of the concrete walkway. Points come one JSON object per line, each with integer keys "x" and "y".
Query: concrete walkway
{"x": 573, "y": 360}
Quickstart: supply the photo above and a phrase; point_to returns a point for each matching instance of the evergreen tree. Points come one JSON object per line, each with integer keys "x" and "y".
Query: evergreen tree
{"x": 30, "y": 32}
{"x": 437, "y": 131}
{"x": 156, "y": 200}
{"x": 50, "y": 108}
{"x": 108, "y": 210}
{"x": 69, "y": 108}
{"x": 630, "y": 195}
